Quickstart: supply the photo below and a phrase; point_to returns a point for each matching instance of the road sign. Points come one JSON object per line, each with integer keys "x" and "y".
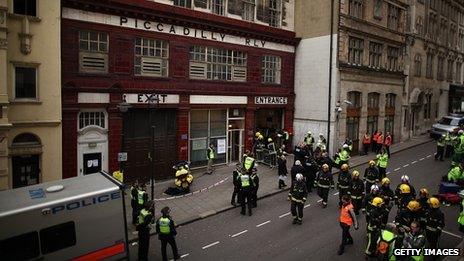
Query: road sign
{"x": 122, "y": 156}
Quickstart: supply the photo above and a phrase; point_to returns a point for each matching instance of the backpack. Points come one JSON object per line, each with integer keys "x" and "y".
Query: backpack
{"x": 383, "y": 247}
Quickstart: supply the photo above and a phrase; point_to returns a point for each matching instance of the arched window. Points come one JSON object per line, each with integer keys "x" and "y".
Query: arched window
{"x": 354, "y": 98}
{"x": 418, "y": 65}
{"x": 26, "y": 139}
{"x": 92, "y": 118}
{"x": 373, "y": 100}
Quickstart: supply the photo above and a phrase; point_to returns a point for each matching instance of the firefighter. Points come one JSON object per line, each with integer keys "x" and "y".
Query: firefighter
{"x": 245, "y": 192}
{"x": 374, "y": 225}
{"x": 134, "y": 202}
{"x": 382, "y": 163}
{"x": 404, "y": 197}
{"x": 298, "y": 198}
{"x": 404, "y": 218}
{"x": 404, "y": 180}
{"x": 145, "y": 219}
{"x": 424, "y": 205}
{"x": 388, "y": 197}
{"x": 440, "y": 147}
{"x": 236, "y": 182}
{"x": 343, "y": 184}
{"x": 310, "y": 166}
{"x": 166, "y": 230}
{"x": 282, "y": 170}
{"x": 254, "y": 188}
{"x": 271, "y": 148}
{"x": 347, "y": 219}
{"x": 309, "y": 141}
{"x": 356, "y": 191}
{"x": 434, "y": 222}
{"x": 299, "y": 153}
{"x": 344, "y": 154}
{"x": 367, "y": 206}
{"x": 371, "y": 176}
{"x": 324, "y": 182}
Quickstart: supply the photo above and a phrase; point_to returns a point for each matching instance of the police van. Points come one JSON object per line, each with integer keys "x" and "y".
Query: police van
{"x": 81, "y": 218}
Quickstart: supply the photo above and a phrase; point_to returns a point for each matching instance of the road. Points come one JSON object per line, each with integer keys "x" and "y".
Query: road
{"x": 270, "y": 235}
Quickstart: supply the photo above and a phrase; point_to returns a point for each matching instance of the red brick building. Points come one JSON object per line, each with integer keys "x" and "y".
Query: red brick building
{"x": 198, "y": 75}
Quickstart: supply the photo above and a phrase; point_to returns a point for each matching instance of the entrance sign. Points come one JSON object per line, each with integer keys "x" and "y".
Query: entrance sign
{"x": 270, "y": 100}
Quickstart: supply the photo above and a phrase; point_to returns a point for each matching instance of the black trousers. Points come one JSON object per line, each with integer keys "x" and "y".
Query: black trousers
{"x": 366, "y": 148}
{"x": 235, "y": 196}
{"x": 324, "y": 194}
{"x": 281, "y": 183}
{"x": 297, "y": 210}
{"x": 432, "y": 238}
{"x": 440, "y": 152}
{"x": 254, "y": 197}
{"x": 382, "y": 172}
{"x": 144, "y": 243}
{"x": 357, "y": 204}
{"x": 448, "y": 151}
{"x": 346, "y": 236}
{"x": 135, "y": 213}
{"x": 387, "y": 148}
{"x": 171, "y": 241}
{"x": 372, "y": 237}
{"x": 245, "y": 199}
{"x": 310, "y": 182}
{"x": 341, "y": 192}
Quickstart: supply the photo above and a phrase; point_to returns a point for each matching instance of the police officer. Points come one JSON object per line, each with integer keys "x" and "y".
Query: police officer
{"x": 356, "y": 191}
{"x": 434, "y": 222}
{"x": 343, "y": 184}
{"x": 344, "y": 154}
{"x": 388, "y": 197}
{"x": 254, "y": 188}
{"x": 298, "y": 198}
{"x": 382, "y": 163}
{"x": 145, "y": 219}
{"x": 448, "y": 145}
{"x": 374, "y": 225}
{"x": 134, "y": 201}
{"x": 142, "y": 196}
{"x": 236, "y": 182}
{"x": 311, "y": 167}
{"x": 441, "y": 143}
{"x": 324, "y": 182}
{"x": 166, "y": 233}
{"x": 245, "y": 192}
{"x": 248, "y": 163}
{"x": 371, "y": 176}
{"x": 309, "y": 141}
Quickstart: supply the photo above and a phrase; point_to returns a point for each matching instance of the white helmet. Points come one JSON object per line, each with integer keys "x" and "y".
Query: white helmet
{"x": 309, "y": 133}
{"x": 321, "y": 135}
{"x": 460, "y": 132}
{"x": 461, "y": 194}
{"x": 405, "y": 178}
{"x": 374, "y": 188}
{"x": 297, "y": 162}
{"x": 299, "y": 177}
{"x": 345, "y": 146}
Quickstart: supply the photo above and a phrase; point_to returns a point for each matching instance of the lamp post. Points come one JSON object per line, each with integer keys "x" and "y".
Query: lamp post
{"x": 152, "y": 99}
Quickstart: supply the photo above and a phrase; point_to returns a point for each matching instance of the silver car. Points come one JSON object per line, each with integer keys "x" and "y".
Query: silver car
{"x": 447, "y": 124}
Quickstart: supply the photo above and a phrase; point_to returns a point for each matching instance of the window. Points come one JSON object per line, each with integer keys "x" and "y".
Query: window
{"x": 25, "y": 83}
{"x": 356, "y": 8}
{"x": 393, "y": 16}
{"x": 427, "y": 106}
{"x": 440, "y": 70}
{"x": 373, "y": 100}
{"x": 378, "y": 8}
{"x": 248, "y": 10}
{"x": 452, "y": 36}
{"x": 91, "y": 118}
{"x": 390, "y": 100}
{"x": 458, "y": 72}
{"x": 418, "y": 65}
{"x": 392, "y": 57}
{"x": 354, "y": 98}
{"x": 22, "y": 247}
{"x": 372, "y": 124}
{"x": 151, "y": 57}
{"x": 93, "y": 52}
{"x": 25, "y": 7}
{"x": 432, "y": 28}
{"x": 217, "y": 64}
{"x": 57, "y": 237}
{"x": 419, "y": 25}
{"x": 218, "y": 7}
{"x": 274, "y": 13}
{"x": 443, "y": 33}
{"x": 352, "y": 128}
{"x": 449, "y": 74}
{"x": 355, "y": 51}
{"x": 390, "y": 124}
{"x": 183, "y": 3}
{"x": 375, "y": 54}
{"x": 461, "y": 40}
{"x": 429, "y": 69}
{"x": 270, "y": 69}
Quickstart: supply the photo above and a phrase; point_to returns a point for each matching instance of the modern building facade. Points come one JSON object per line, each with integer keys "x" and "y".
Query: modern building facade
{"x": 30, "y": 92}
{"x": 435, "y": 49}
{"x": 192, "y": 72}
{"x": 367, "y": 75}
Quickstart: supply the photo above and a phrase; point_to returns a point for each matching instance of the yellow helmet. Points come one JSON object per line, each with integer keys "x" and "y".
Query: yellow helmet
{"x": 325, "y": 167}
{"x": 385, "y": 181}
{"x": 257, "y": 134}
{"x": 344, "y": 167}
{"x": 372, "y": 163}
{"x": 433, "y": 202}
{"x": 260, "y": 137}
{"x": 413, "y": 205}
{"x": 404, "y": 189}
{"x": 424, "y": 191}
{"x": 377, "y": 202}
{"x": 355, "y": 173}
{"x": 269, "y": 140}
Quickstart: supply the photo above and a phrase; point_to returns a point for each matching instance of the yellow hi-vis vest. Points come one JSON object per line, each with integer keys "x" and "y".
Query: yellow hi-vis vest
{"x": 118, "y": 175}
{"x": 140, "y": 199}
{"x": 245, "y": 180}
{"x": 248, "y": 163}
{"x": 461, "y": 215}
{"x": 164, "y": 225}
{"x": 382, "y": 160}
{"x": 143, "y": 214}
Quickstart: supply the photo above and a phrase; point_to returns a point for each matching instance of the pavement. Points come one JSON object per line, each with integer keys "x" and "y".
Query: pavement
{"x": 270, "y": 235}
{"x": 211, "y": 194}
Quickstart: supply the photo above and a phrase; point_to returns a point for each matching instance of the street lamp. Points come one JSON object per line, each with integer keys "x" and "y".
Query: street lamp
{"x": 152, "y": 99}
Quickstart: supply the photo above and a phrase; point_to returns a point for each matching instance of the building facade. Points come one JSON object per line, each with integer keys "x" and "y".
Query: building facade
{"x": 367, "y": 75}
{"x": 435, "y": 49}
{"x": 30, "y": 92}
{"x": 176, "y": 74}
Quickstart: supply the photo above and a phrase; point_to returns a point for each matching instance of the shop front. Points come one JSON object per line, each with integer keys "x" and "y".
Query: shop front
{"x": 270, "y": 115}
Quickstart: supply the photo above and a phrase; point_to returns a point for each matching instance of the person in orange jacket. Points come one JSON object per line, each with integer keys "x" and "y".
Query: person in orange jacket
{"x": 366, "y": 142}
{"x": 388, "y": 142}
{"x": 375, "y": 136}
{"x": 380, "y": 140}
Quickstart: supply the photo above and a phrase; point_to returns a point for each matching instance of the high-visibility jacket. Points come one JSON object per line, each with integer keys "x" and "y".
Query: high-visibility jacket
{"x": 441, "y": 142}
{"x": 367, "y": 139}
{"x": 455, "y": 174}
{"x": 389, "y": 238}
{"x": 345, "y": 216}
{"x": 119, "y": 176}
{"x": 244, "y": 180}
{"x": 344, "y": 155}
{"x": 309, "y": 140}
{"x": 141, "y": 197}
{"x": 210, "y": 153}
{"x": 249, "y": 162}
{"x": 142, "y": 218}
{"x": 164, "y": 225}
{"x": 448, "y": 140}
{"x": 382, "y": 160}
{"x": 461, "y": 215}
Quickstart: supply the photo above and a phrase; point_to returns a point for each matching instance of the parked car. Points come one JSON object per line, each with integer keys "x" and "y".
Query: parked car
{"x": 447, "y": 124}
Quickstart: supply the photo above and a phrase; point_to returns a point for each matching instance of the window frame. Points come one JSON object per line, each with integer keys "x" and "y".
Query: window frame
{"x": 89, "y": 41}
{"x": 356, "y": 8}
{"x": 373, "y": 100}
{"x": 393, "y": 17}
{"x": 151, "y": 47}
{"x": 355, "y": 49}
{"x": 249, "y": 3}
{"x": 26, "y": 99}
{"x": 266, "y": 70}
{"x": 214, "y": 7}
{"x": 390, "y": 100}
{"x": 25, "y": 14}
{"x": 375, "y": 54}
{"x": 187, "y": 3}
{"x": 95, "y": 111}
{"x": 275, "y": 13}
{"x": 418, "y": 65}
{"x": 357, "y": 103}
{"x": 393, "y": 55}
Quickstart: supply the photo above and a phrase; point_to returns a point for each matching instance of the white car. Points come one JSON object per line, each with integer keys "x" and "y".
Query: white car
{"x": 447, "y": 124}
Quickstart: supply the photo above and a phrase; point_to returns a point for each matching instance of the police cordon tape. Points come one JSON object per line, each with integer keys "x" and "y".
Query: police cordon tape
{"x": 195, "y": 192}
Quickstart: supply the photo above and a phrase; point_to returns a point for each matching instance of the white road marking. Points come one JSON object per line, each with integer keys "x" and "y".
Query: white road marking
{"x": 396, "y": 169}
{"x": 414, "y": 162}
{"x": 264, "y": 223}
{"x": 404, "y": 166}
{"x": 284, "y": 215}
{"x": 239, "y": 233}
{"x": 336, "y": 193}
{"x": 210, "y": 245}
{"x": 428, "y": 156}
{"x": 388, "y": 172}
{"x": 451, "y": 234}
{"x": 421, "y": 159}
{"x": 320, "y": 200}
{"x": 184, "y": 255}
{"x": 307, "y": 206}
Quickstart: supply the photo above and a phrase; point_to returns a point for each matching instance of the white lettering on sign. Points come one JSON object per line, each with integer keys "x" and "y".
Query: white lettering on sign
{"x": 150, "y": 98}
{"x": 270, "y": 100}
{"x": 159, "y": 27}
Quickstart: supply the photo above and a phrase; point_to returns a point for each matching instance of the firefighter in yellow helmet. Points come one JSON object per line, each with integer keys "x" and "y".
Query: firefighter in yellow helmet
{"x": 356, "y": 191}
{"x": 424, "y": 205}
{"x": 405, "y": 217}
{"x": 434, "y": 222}
{"x": 371, "y": 175}
{"x": 343, "y": 183}
{"x": 387, "y": 195}
{"x": 324, "y": 182}
{"x": 374, "y": 225}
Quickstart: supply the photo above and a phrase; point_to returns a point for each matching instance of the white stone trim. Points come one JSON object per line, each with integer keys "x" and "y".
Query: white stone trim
{"x": 212, "y": 99}
{"x": 91, "y": 97}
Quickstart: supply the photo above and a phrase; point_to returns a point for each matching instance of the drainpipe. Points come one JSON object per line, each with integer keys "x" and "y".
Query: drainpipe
{"x": 329, "y": 107}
